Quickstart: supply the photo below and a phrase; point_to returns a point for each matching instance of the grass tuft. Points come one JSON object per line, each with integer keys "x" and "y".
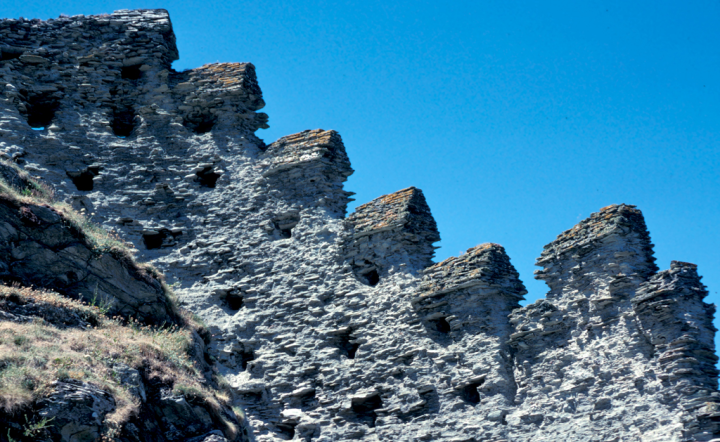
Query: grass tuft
{"x": 35, "y": 354}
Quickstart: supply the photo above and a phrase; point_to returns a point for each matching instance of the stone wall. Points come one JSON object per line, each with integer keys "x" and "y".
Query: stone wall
{"x": 676, "y": 321}
{"x": 391, "y": 231}
{"x": 309, "y": 169}
{"x": 334, "y": 328}
{"x": 581, "y": 354}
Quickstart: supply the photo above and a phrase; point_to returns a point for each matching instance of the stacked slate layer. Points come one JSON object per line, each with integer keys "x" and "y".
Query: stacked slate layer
{"x": 390, "y": 230}
{"x": 465, "y": 301}
{"x": 317, "y": 346}
{"x": 583, "y": 366}
{"x": 310, "y": 168}
{"x": 678, "y": 323}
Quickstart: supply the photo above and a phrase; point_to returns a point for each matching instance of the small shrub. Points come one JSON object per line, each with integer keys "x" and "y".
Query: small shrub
{"x": 37, "y": 428}
{"x": 102, "y": 303}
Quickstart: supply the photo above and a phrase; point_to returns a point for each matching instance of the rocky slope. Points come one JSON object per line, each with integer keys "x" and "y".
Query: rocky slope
{"x": 129, "y": 367}
{"x": 330, "y": 327}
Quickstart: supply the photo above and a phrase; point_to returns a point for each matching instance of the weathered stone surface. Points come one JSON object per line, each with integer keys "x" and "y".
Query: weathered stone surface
{"x": 75, "y": 411}
{"x": 582, "y": 355}
{"x": 309, "y": 169}
{"x": 316, "y": 346}
{"x": 214, "y": 437}
{"x": 38, "y": 246}
{"x": 678, "y": 323}
{"x": 132, "y": 380}
{"x": 391, "y": 231}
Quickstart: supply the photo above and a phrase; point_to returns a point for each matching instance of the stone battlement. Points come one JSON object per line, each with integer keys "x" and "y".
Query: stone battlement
{"x": 329, "y": 327}
{"x": 309, "y": 168}
{"x": 483, "y": 264}
{"x": 390, "y": 230}
{"x": 309, "y": 146}
{"x": 405, "y": 208}
{"x": 471, "y": 293}
{"x": 614, "y": 239}
{"x": 677, "y": 321}
{"x": 123, "y": 38}
{"x": 610, "y": 220}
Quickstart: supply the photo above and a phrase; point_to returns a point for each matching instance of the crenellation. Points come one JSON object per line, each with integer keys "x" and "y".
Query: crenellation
{"x": 391, "y": 231}
{"x": 218, "y": 93}
{"x": 308, "y": 169}
{"x": 615, "y": 239}
{"x": 467, "y": 299}
{"x": 484, "y": 264}
{"x": 678, "y": 324}
{"x": 325, "y": 327}
{"x": 112, "y": 89}
{"x": 602, "y": 283}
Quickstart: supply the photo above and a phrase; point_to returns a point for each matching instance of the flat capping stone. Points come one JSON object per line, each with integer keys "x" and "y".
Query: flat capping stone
{"x": 613, "y": 219}
{"x": 682, "y": 265}
{"x": 406, "y": 209}
{"x": 483, "y": 264}
{"x": 306, "y": 147}
{"x": 284, "y": 224}
{"x": 469, "y": 390}
{"x": 240, "y": 77}
{"x": 364, "y": 407}
{"x": 162, "y": 237}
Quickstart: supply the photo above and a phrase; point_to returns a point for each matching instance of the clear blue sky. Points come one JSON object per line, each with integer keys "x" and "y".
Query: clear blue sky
{"x": 517, "y": 119}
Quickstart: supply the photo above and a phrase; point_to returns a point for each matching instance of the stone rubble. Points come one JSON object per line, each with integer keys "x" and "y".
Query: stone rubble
{"x": 333, "y": 328}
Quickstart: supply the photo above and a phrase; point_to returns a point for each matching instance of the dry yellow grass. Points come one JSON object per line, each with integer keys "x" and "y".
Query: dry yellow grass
{"x": 33, "y": 355}
{"x": 24, "y": 295}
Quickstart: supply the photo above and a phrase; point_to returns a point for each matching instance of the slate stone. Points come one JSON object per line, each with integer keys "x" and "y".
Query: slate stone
{"x": 330, "y": 327}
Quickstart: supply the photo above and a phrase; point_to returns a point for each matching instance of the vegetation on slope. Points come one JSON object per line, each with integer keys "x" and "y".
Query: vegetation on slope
{"x": 36, "y": 353}
{"x": 46, "y": 338}
{"x": 20, "y": 189}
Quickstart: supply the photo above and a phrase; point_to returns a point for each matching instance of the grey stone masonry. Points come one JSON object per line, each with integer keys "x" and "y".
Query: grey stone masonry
{"x": 331, "y": 328}
{"x": 389, "y": 231}
{"x": 679, "y": 324}
{"x": 310, "y": 168}
{"x": 618, "y": 231}
{"x": 465, "y": 301}
{"x": 582, "y": 353}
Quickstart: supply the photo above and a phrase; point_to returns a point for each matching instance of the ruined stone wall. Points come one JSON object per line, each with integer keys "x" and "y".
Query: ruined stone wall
{"x": 335, "y": 328}
{"x": 391, "y": 231}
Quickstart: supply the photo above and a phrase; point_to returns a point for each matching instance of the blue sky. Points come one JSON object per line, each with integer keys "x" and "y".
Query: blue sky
{"x": 517, "y": 119}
